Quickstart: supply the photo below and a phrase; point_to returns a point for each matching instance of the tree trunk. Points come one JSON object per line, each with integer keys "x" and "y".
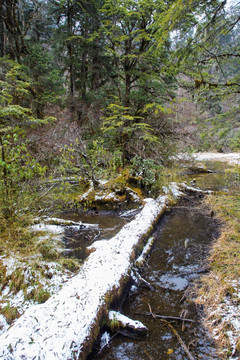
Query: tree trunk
{"x": 70, "y": 53}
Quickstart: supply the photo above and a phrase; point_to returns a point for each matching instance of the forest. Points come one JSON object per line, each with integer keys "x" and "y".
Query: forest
{"x": 112, "y": 91}
{"x": 89, "y": 87}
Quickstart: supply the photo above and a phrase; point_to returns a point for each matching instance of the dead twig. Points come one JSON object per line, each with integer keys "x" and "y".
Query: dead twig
{"x": 151, "y": 313}
{"x": 174, "y": 331}
{"x": 164, "y": 317}
{"x": 187, "y": 352}
{"x": 148, "y": 355}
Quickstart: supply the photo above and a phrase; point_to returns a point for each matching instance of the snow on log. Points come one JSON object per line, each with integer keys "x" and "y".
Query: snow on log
{"x": 141, "y": 259}
{"x": 66, "y": 325}
{"x": 120, "y": 320}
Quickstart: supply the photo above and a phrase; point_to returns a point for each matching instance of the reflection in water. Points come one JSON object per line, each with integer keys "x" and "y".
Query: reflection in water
{"x": 219, "y": 180}
{"x": 95, "y": 227}
{"x": 173, "y": 263}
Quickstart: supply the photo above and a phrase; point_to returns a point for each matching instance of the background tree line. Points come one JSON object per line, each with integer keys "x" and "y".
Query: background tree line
{"x": 117, "y": 67}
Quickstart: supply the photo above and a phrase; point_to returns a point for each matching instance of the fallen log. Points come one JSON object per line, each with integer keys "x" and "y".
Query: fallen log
{"x": 67, "y": 325}
{"x": 187, "y": 352}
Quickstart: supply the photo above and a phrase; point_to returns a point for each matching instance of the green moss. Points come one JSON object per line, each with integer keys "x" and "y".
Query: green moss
{"x": 48, "y": 252}
{"x": 70, "y": 264}
{"x": 10, "y": 312}
{"x": 114, "y": 324}
{"x": 41, "y": 295}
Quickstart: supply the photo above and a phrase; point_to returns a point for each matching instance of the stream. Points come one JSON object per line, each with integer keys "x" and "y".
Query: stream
{"x": 182, "y": 240}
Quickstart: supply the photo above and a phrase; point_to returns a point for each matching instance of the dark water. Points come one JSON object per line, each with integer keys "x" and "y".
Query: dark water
{"x": 94, "y": 227}
{"x": 218, "y": 180}
{"x": 181, "y": 246}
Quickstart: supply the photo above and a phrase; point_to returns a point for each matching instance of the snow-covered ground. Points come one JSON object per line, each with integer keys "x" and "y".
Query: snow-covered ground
{"x": 231, "y": 158}
{"x": 59, "y": 328}
{"x": 224, "y": 318}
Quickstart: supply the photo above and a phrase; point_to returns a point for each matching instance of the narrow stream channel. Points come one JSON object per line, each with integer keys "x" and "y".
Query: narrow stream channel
{"x": 182, "y": 243}
{"x": 183, "y": 237}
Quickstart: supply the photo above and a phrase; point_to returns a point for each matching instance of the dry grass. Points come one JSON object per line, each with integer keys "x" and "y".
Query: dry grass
{"x": 220, "y": 288}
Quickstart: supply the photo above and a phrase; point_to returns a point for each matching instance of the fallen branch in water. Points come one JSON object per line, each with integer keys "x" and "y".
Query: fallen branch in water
{"x": 164, "y": 317}
{"x": 148, "y": 355}
{"x": 174, "y": 331}
{"x": 142, "y": 280}
{"x": 151, "y": 313}
{"x": 200, "y": 271}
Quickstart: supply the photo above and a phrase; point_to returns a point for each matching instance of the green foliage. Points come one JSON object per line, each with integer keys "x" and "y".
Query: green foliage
{"x": 10, "y": 313}
{"x": 70, "y": 264}
{"x": 235, "y": 142}
{"x": 40, "y": 295}
{"x": 120, "y": 129}
{"x": 147, "y": 169}
{"x": 47, "y": 82}
{"x": 92, "y": 163}
{"x": 18, "y": 169}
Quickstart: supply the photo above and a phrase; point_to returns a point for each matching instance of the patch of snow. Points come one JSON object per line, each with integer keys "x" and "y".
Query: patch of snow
{"x": 55, "y": 278}
{"x": 106, "y": 196}
{"x": 229, "y": 311}
{"x": 105, "y": 338}
{"x": 133, "y": 193}
{"x": 172, "y": 189}
{"x": 134, "y": 288}
{"x": 140, "y": 260}
{"x": 54, "y": 229}
{"x": 3, "y": 324}
{"x": 85, "y": 195}
{"x": 231, "y": 158}
{"x": 103, "y": 182}
{"x": 11, "y": 265}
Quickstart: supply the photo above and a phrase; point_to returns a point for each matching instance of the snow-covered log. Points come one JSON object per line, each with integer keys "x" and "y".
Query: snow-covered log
{"x": 120, "y": 320}
{"x": 66, "y": 326}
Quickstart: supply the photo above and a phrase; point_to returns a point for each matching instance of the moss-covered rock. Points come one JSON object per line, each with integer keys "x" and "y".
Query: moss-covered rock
{"x": 115, "y": 194}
